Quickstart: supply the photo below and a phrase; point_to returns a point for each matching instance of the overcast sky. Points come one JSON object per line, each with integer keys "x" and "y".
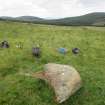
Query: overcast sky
{"x": 50, "y": 8}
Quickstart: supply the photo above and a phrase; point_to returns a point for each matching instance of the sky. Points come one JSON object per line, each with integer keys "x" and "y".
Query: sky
{"x": 50, "y": 8}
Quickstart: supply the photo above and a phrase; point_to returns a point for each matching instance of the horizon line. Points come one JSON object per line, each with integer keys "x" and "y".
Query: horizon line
{"x": 48, "y": 18}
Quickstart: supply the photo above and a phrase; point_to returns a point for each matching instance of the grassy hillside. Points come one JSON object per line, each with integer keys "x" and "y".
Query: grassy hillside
{"x": 85, "y": 20}
{"x": 16, "y": 89}
{"x": 95, "y": 19}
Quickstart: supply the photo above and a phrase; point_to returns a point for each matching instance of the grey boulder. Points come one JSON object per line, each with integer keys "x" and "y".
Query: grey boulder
{"x": 64, "y": 79}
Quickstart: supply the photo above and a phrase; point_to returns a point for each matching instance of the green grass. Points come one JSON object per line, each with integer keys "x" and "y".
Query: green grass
{"x": 16, "y": 89}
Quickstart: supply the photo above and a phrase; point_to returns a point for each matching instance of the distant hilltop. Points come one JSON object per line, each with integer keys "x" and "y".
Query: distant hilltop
{"x": 92, "y": 19}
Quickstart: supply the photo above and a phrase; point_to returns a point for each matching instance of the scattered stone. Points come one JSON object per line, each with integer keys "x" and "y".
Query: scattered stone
{"x": 62, "y": 50}
{"x": 4, "y": 44}
{"x": 64, "y": 79}
{"x": 19, "y": 45}
{"x": 75, "y": 50}
{"x": 36, "y": 52}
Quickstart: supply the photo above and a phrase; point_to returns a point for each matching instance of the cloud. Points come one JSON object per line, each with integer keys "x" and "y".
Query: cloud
{"x": 50, "y": 8}
{"x": 20, "y": 8}
{"x": 94, "y": 5}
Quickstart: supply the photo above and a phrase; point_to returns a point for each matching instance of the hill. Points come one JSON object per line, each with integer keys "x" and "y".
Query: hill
{"x": 85, "y": 20}
{"x": 88, "y": 19}
{"x": 28, "y": 18}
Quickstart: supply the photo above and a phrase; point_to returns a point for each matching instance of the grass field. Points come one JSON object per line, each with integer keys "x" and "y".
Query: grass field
{"x": 16, "y": 89}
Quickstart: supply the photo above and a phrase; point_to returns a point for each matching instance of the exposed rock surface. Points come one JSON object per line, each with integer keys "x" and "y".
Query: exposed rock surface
{"x": 64, "y": 79}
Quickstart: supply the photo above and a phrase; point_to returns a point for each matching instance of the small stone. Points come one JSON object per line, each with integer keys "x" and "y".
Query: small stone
{"x": 4, "y": 44}
{"x": 75, "y": 50}
{"x": 62, "y": 50}
{"x": 36, "y": 51}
